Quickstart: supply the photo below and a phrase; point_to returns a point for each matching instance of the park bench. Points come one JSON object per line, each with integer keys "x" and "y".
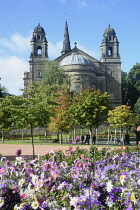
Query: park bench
{"x": 9, "y": 137}
{"x": 42, "y": 137}
{"x": 55, "y": 140}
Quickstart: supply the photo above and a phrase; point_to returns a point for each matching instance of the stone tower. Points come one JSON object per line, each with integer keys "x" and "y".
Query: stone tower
{"x": 38, "y": 57}
{"x": 111, "y": 63}
{"x": 66, "y": 42}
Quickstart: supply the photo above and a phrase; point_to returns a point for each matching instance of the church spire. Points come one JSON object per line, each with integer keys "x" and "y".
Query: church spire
{"x": 66, "y": 42}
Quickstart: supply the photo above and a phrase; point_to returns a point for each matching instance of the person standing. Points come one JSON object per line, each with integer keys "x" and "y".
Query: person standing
{"x": 94, "y": 139}
{"x": 82, "y": 139}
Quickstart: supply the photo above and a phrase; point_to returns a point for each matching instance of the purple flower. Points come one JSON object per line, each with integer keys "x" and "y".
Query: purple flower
{"x": 80, "y": 165}
{"x": 46, "y": 165}
{"x": 18, "y": 152}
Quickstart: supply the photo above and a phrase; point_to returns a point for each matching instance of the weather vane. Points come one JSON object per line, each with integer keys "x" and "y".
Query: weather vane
{"x": 66, "y": 16}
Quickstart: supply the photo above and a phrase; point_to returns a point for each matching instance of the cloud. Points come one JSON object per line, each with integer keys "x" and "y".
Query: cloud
{"x": 81, "y": 3}
{"x": 16, "y": 43}
{"x": 12, "y": 73}
{"x": 12, "y": 68}
{"x": 54, "y": 49}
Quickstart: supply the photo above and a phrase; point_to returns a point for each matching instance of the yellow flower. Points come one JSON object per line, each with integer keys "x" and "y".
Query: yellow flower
{"x": 122, "y": 179}
{"x": 132, "y": 197}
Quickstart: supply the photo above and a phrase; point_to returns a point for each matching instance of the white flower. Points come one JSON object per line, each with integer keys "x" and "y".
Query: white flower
{"x": 35, "y": 204}
{"x": 38, "y": 189}
{"x": 52, "y": 152}
{"x": 21, "y": 182}
{"x": 1, "y": 201}
{"x": 3, "y": 159}
{"x": 29, "y": 186}
{"x": 34, "y": 179}
{"x": 87, "y": 192}
{"x": 19, "y": 159}
{"x": 109, "y": 186}
{"x": 73, "y": 201}
{"x": 109, "y": 202}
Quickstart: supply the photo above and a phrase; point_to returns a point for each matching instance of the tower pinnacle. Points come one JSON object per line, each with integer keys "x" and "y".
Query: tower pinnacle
{"x": 66, "y": 42}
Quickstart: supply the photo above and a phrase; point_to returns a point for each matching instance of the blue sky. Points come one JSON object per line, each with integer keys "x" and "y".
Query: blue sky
{"x": 87, "y": 21}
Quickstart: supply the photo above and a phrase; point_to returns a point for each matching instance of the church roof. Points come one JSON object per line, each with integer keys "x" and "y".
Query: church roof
{"x": 39, "y": 29}
{"x": 74, "y": 59}
{"x": 109, "y": 30}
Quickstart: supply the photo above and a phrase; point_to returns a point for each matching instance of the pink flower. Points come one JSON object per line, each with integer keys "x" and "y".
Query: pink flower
{"x": 82, "y": 156}
{"x": 123, "y": 153}
{"x": 54, "y": 174}
{"x": 124, "y": 148}
{"x": 45, "y": 153}
{"x": 23, "y": 196}
{"x": 2, "y": 170}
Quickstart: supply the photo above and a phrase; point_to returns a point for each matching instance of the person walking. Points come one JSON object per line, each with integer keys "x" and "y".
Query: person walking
{"x": 82, "y": 139}
{"x": 87, "y": 139}
{"x": 94, "y": 139}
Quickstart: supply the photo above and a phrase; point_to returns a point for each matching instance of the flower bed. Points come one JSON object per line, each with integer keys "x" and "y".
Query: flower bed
{"x": 75, "y": 179}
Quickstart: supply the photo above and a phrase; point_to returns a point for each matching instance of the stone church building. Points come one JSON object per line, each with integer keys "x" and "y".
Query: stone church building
{"x": 83, "y": 69}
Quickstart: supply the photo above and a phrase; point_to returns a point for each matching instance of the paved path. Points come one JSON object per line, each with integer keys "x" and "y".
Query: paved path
{"x": 9, "y": 150}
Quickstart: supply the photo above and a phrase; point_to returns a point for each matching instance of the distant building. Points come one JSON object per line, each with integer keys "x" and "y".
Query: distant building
{"x": 83, "y": 69}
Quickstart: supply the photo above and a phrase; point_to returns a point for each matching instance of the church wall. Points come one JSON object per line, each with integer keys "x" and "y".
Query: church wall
{"x": 101, "y": 83}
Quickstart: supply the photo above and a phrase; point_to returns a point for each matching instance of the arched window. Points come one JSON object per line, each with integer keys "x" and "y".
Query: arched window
{"x": 110, "y": 51}
{"x": 77, "y": 88}
{"x": 39, "y": 51}
{"x": 39, "y": 73}
{"x": 112, "y": 74}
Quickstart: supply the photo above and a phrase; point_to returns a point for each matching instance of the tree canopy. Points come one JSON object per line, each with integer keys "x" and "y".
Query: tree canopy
{"x": 121, "y": 117}
{"x": 53, "y": 74}
{"x": 133, "y": 85}
{"x": 61, "y": 121}
{"x": 89, "y": 108}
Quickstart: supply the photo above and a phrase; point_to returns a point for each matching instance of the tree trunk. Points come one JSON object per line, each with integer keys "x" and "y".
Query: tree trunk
{"x": 90, "y": 133}
{"x": 22, "y": 134}
{"x": 32, "y": 142}
{"x": 2, "y": 136}
{"x": 60, "y": 137}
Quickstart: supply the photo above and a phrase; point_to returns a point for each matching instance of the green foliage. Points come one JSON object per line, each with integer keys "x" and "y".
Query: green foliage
{"x": 124, "y": 87}
{"x": 133, "y": 85}
{"x": 61, "y": 120}
{"x": 121, "y": 117}
{"x": 54, "y": 75}
{"x": 137, "y": 114}
{"x": 90, "y": 107}
{"x": 94, "y": 154}
{"x": 3, "y": 92}
{"x": 5, "y": 114}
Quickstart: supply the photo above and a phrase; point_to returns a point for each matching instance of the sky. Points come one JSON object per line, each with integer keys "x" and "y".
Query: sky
{"x": 87, "y": 21}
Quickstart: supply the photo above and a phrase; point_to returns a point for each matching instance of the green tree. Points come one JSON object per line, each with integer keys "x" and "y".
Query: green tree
{"x": 62, "y": 121}
{"x": 121, "y": 117}
{"x": 35, "y": 110}
{"x": 133, "y": 85}
{"x": 3, "y": 92}
{"x": 89, "y": 108}
{"x": 5, "y": 115}
{"x": 137, "y": 114}
{"x": 54, "y": 75}
{"x": 124, "y": 87}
